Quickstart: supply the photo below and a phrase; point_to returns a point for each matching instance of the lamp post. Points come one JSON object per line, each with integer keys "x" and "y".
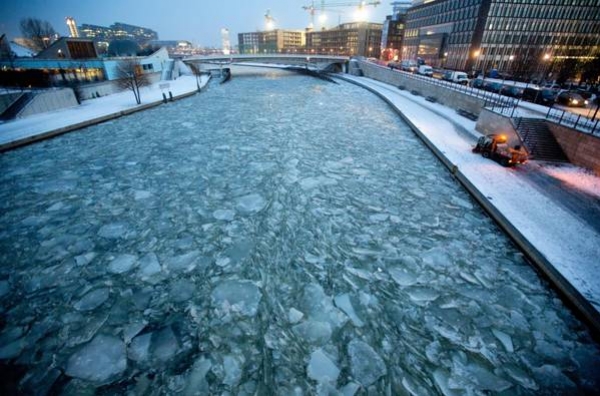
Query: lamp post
{"x": 476, "y": 54}
{"x": 547, "y": 63}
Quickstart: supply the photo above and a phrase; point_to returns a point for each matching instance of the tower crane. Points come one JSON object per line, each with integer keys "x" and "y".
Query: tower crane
{"x": 359, "y": 4}
{"x": 269, "y": 20}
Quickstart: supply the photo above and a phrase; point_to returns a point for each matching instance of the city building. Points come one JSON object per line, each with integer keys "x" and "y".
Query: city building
{"x": 72, "y": 27}
{"x": 225, "y": 42}
{"x": 70, "y": 48}
{"x": 392, "y": 35}
{"x": 349, "y": 39}
{"x": 75, "y": 62}
{"x": 527, "y": 39}
{"x": 272, "y": 41}
{"x": 249, "y": 43}
{"x": 176, "y": 48}
{"x": 103, "y": 35}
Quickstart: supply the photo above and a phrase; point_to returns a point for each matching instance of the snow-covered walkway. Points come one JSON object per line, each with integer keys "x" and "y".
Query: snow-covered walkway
{"x": 24, "y": 128}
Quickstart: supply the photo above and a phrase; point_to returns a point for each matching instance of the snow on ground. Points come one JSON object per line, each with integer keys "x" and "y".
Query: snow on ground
{"x": 574, "y": 176}
{"x": 543, "y": 222}
{"x": 93, "y": 108}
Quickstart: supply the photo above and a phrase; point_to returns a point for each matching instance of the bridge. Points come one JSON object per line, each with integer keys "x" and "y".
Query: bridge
{"x": 319, "y": 62}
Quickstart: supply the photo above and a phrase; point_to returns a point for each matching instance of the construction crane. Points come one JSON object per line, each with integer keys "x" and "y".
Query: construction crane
{"x": 360, "y": 5}
{"x": 269, "y": 21}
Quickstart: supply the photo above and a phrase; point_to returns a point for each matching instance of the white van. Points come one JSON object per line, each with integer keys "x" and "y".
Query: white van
{"x": 425, "y": 70}
{"x": 457, "y": 77}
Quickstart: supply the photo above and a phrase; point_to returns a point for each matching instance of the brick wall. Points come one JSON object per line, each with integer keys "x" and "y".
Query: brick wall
{"x": 582, "y": 149}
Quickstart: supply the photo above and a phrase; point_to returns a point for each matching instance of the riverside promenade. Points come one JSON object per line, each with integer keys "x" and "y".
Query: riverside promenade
{"x": 562, "y": 245}
{"x": 23, "y": 131}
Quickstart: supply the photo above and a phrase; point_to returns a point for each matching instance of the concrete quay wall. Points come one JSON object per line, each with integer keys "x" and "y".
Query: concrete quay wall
{"x": 447, "y": 96}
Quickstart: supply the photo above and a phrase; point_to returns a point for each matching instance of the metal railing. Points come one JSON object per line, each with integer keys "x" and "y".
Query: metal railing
{"x": 572, "y": 120}
{"x": 492, "y": 99}
{"x": 507, "y": 105}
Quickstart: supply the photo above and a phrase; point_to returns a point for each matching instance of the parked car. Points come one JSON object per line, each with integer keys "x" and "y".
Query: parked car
{"x": 492, "y": 86}
{"x": 477, "y": 83}
{"x": 571, "y": 99}
{"x": 425, "y": 70}
{"x": 409, "y": 66}
{"x": 587, "y": 95}
{"x": 457, "y": 77}
{"x": 512, "y": 90}
{"x": 554, "y": 87}
{"x": 540, "y": 96}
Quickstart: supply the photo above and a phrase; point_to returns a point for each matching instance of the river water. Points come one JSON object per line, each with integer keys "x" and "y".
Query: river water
{"x": 277, "y": 234}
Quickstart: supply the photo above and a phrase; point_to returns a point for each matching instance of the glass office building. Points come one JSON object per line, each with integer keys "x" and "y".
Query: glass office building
{"x": 272, "y": 41}
{"x": 349, "y": 39}
{"x": 521, "y": 38}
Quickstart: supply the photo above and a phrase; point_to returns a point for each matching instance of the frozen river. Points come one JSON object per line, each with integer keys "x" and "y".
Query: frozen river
{"x": 273, "y": 235}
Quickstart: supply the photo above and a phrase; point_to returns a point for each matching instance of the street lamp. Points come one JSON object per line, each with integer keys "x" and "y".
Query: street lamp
{"x": 476, "y": 54}
{"x": 510, "y": 59}
{"x": 547, "y": 63}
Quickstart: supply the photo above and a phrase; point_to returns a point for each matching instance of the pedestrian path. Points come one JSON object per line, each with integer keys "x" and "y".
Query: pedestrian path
{"x": 44, "y": 125}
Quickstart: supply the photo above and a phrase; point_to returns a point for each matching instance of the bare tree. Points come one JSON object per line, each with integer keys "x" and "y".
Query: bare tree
{"x": 131, "y": 76}
{"x": 39, "y": 32}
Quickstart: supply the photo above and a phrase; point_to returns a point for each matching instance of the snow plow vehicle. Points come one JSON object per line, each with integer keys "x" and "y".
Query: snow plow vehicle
{"x": 496, "y": 148}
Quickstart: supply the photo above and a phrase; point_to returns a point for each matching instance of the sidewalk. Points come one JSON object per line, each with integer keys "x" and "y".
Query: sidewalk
{"x": 569, "y": 247}
{"x": 24, "y": 130}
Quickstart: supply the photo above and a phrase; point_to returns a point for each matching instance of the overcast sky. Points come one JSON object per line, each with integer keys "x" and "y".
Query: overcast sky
{"x": 198, "y": 21}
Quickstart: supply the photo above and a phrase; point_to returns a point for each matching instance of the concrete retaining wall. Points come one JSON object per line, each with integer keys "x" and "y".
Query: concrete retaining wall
{"x": 90, "y": 91}
{"x": 447, "y": 96}
{"x": 582, "y": 149}
{"x": 49, "y": 101}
